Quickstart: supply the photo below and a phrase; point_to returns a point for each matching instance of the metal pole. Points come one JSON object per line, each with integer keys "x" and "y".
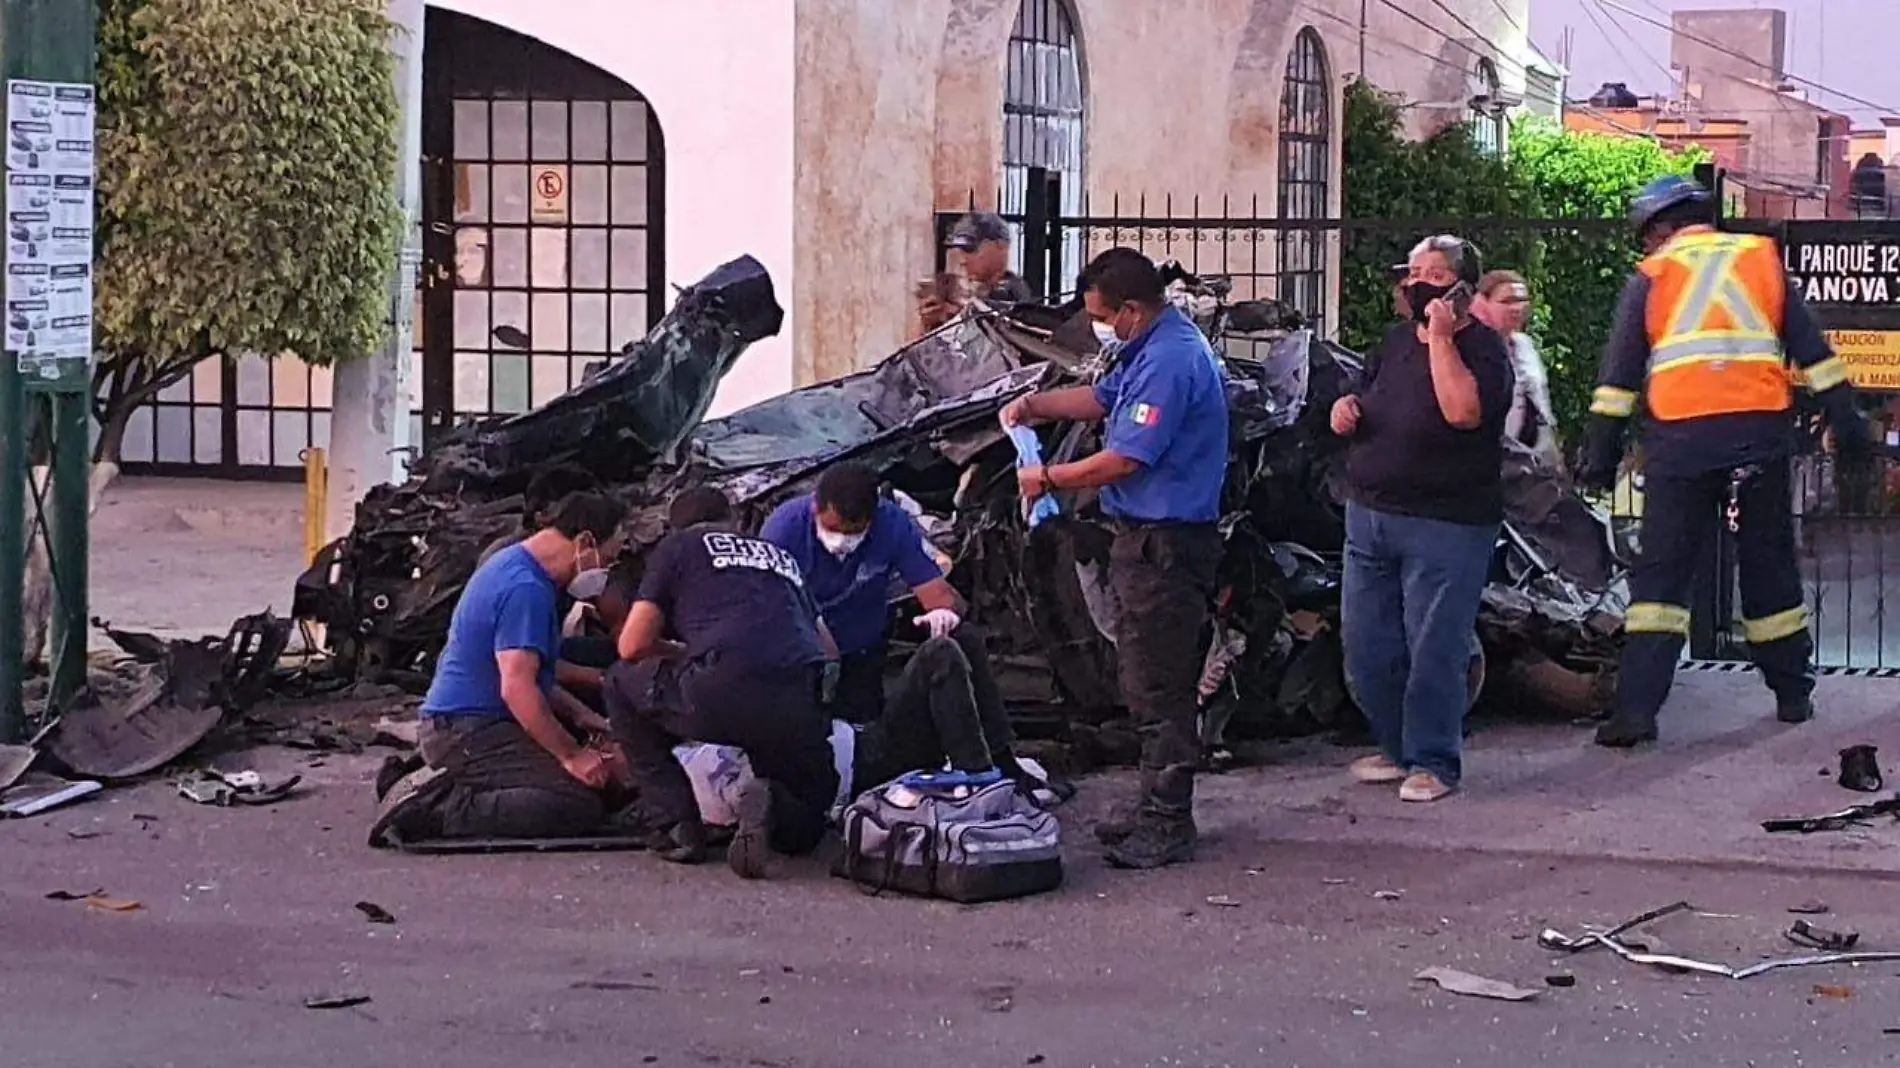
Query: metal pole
{"x": 48, "y": 49}
{"x": 69, "y": 526}
{"x": 1364, "y": 6}
{"x": 13, "y": 446}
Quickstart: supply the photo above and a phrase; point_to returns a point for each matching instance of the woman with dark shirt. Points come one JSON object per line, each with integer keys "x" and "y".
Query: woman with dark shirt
{"x": 1425, "y": 498}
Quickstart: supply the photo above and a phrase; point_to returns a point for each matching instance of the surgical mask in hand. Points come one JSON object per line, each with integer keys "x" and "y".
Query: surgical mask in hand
{"x": 588, "y": 585}
{"x": 839, "y": 544}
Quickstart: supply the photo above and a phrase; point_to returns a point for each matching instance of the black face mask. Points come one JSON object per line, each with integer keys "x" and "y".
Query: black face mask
{"x": 1419, "y": 296}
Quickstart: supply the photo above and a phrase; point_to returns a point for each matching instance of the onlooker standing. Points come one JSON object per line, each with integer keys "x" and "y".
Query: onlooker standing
{"x": 1160, "y": 469}
{"x": 1424, "y": 504}
{"x": 982, "y": 241}
{"x": 1504, "y": 305}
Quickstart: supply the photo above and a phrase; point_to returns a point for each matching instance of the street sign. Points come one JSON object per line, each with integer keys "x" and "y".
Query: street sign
{"x": 548, "y": 193}
{"x": 1872, "y": 356}
{"x": 1845, "y": 264}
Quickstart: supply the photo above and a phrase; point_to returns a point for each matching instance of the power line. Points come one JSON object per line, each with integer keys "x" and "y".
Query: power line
{"x": 1494, "y": 57}
{"x": 1724, "y": 50}
{"x": 1668, "y": 74}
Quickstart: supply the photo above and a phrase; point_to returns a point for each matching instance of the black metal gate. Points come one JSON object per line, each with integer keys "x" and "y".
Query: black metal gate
{"x": 543, "y": 215}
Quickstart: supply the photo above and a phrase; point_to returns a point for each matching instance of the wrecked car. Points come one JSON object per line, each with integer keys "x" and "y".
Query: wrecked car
{"x": 926, "y": 417}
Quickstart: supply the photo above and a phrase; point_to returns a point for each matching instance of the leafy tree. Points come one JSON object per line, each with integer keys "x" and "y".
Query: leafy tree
{"x": 1515, "y": 209}
{"x": 1584, "y": 176}
{"x": 247, "y": 188}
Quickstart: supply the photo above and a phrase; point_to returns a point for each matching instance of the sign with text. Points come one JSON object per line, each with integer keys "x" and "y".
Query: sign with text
{"x": 1862, "y": 272}
{"x": 1872, "y": 357}
{"x": 549, "y": 193}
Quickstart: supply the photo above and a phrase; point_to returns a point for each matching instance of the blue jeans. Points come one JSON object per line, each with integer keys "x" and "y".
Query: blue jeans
{"x": 1407, "y": 610}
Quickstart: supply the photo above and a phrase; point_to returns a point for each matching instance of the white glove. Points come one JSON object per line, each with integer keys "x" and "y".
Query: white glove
{"x": 940, "y": 622}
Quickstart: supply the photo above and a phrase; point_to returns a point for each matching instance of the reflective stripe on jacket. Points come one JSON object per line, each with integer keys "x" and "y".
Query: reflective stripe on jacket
{"x": 1716, "y": 303}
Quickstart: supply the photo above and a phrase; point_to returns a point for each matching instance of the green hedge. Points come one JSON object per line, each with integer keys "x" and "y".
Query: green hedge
{"x": 1548, "y": 175}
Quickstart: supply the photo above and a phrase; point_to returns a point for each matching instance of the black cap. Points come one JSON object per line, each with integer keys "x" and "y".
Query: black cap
{"x": 974, "y": 229}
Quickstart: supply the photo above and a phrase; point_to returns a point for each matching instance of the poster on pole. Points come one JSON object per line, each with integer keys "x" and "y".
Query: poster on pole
{"x": 49, "y": 155}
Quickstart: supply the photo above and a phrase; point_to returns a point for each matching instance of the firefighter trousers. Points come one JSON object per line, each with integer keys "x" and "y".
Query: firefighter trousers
{"x": 1681, "y": 515}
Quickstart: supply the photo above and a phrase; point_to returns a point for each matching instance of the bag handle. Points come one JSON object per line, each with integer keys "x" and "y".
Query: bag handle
{"x": 894, "y": 835}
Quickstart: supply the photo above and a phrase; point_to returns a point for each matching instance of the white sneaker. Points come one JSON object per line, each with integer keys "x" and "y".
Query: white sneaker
{"x": 1423, "y": 786}
{"x": 1376, "y": 769}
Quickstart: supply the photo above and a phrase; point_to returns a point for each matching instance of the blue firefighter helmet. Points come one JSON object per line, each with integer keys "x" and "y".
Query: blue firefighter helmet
{"x": 1664, "y": 193}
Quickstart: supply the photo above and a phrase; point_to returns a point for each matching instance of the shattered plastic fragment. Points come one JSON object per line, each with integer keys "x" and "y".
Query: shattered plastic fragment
{"x": 375, "y": 913}
{"x": 1860, "y": 769}
{"x": 1475, "y": 986}
{"x": 113, "y": 904}
{"x": 339, "y": 1001}
{"x": 1834, "y": 821}
{"x": 1223, "y": 901}
{"x": 1806, "y": 934}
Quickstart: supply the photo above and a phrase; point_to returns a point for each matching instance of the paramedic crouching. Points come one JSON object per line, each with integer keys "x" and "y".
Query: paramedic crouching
{"x": 1160, "y": 470}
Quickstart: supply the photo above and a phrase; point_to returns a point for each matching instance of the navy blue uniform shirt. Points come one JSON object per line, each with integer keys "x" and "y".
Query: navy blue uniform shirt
{"x": 853, "y": 592}
{"x": 1167, "y": 411}
{"x": 739, "y": 599}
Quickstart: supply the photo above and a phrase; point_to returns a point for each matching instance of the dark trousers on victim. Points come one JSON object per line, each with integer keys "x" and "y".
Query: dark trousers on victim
{"x": 1680, "y": 514}
{"x": 773, "y": 715}
{"x": 945, "y": 707}
{"x": 1163, "y": 576}
{"x": 502, "y": 784}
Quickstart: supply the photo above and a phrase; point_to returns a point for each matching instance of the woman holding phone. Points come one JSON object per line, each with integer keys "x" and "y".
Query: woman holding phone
{"x": 1424, "y": 501}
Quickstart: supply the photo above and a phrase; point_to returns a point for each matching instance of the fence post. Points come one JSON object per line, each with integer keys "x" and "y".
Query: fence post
{"x": 1037, "y": 211}
{"x": 1059, "y": 272}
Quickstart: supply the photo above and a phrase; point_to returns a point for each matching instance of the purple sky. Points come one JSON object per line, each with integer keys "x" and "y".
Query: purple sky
{"x": 1846, "y": 45}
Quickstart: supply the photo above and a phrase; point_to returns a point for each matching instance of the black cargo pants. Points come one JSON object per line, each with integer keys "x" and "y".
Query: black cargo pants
{"x": 1680, "y": 514}
{"x": 1163, "y": 576}
{"x": 502, "y": 784}
{"x": 773, "y": 715}
{"x": 945, "y": 708}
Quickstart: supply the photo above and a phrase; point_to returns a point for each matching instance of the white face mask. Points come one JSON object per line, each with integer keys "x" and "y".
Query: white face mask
{"x": 1105, "y": 336}
{"x": 588, "y": 584}
{"x": 839, "y": 544}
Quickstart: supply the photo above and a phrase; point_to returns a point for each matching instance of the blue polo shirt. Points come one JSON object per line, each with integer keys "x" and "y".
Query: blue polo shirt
{"x": 854, "y": 592}
{"x": 1167, "y": 411}
{"x": 509, "y": 603}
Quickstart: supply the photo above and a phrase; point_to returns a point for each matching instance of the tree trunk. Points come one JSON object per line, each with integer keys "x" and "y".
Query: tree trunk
{"x": 38, "y": 614}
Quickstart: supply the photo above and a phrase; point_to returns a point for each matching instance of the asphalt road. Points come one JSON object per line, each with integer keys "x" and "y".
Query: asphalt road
{"x": 620, "y": 960}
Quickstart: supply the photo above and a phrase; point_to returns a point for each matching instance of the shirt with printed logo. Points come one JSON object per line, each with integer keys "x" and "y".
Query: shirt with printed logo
{"x": 1167, "y": 411}
{"x": 733, "y": 597}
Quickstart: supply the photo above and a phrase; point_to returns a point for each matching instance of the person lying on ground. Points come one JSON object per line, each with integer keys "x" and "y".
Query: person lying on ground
{"x": 505, "y": 750}
{"x": 723, "y": 644}
{"x": 854, "y": 547}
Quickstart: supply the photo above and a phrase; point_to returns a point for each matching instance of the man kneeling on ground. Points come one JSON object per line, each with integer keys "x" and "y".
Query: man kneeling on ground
{"x": 501, "y": 762}
{"x": 853, "y": 546}
{"x": 723, "y": 645}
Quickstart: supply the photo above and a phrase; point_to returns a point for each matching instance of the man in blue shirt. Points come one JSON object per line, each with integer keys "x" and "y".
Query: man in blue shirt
{"x": 502, "y": 761}
{"x": 1160, "y": 470}
{"x": 855, "y": 547}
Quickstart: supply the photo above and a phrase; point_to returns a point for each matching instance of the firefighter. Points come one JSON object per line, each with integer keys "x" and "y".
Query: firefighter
{"x": 1706, "y": 331}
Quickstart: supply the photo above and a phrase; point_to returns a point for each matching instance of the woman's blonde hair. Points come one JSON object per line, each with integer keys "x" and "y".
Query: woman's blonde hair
{"x": 1494, "y": 279}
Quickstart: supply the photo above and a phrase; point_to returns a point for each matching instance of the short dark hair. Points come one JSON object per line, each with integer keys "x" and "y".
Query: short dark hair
{"x": 587, "y": 513}
{"x": 622, "y": 585}
{"x": 699, "y": 504}
{"x": 550, "y": 485}
{"x": 1125, "y": 276}
{"x": 849, "y": 489}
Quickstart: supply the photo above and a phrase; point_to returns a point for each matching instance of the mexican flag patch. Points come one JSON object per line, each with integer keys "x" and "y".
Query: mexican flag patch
{"x": 1144, "y": 414}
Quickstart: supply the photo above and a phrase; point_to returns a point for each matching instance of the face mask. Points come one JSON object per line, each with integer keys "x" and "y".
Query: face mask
{"x": 588, "y": 584}
{"x": 582, "y": 572}
{"x": 1105, "y": 337}
{"x": 839, "y": 544}
{"x": 1419, "y": 296}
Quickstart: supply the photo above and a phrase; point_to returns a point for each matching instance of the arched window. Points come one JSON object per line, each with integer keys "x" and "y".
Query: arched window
{"x": 1487, "y": 122}
{"x": 1043, "y": 105}
{"x": 1306, "y": 151}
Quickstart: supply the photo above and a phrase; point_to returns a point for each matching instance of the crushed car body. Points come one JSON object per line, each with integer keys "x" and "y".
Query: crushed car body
{"x": 926, "y": 417}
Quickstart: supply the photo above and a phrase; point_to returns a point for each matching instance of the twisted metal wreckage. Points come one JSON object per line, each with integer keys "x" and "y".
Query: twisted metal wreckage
{"x": 927, "y": 418}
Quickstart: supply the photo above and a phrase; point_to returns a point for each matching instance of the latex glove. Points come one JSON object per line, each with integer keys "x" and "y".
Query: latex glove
{"x": 940, "y": 622}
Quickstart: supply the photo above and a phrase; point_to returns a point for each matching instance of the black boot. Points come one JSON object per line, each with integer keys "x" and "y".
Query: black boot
{"x": 1126, "y": 816}
{"x": 683, "y": 843}
{"x": 1626, "y": 730}
{"x": 1163, "y": 832}
{"x": 393, "y": 770}
{"x": 1794, "y": 709}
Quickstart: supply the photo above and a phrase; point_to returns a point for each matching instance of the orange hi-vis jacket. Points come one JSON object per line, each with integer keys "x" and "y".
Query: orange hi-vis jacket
{"x": 1714, "y": 317}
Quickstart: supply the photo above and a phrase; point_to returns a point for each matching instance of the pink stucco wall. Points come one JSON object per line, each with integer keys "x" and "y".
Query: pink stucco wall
{"x": 719, "y": 76}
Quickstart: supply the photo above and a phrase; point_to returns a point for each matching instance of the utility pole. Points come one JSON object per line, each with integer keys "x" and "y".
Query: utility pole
{"x": 369, "y": 435}
{"x": 48, "y": 49}
{"x": 1365, "y": 7}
